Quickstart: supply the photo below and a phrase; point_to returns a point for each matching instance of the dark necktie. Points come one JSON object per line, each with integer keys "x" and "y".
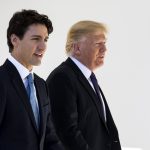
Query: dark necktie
{"x": 33, "y": 98}
{"x": 96, "y": 87}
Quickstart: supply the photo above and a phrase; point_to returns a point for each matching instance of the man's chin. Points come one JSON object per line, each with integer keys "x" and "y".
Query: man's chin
{"x": 100, "y": 63}
{"x": 37, "y": 64}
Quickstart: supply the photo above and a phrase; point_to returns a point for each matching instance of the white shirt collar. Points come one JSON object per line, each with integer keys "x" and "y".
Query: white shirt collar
{"x": 86, "y": 71}
{"x": 23, "y": 71}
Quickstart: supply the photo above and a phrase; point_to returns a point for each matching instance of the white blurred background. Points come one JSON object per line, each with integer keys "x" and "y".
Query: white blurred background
{"x": 125, "y": 77}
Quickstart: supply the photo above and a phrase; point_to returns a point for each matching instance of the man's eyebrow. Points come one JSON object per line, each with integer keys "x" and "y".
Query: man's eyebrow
{"x": 38, "y": 36}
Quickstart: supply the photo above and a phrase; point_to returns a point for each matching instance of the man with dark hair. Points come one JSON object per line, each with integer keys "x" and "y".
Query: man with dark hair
{"x": 25, "y": 122}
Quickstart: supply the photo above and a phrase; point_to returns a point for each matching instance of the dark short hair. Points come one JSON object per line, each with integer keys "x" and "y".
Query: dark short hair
{"x": 20, "y": 22}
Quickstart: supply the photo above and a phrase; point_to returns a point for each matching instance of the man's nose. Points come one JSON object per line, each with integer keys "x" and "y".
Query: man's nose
{"x": 103, "y": 48}
{"x": 42, "y": 45}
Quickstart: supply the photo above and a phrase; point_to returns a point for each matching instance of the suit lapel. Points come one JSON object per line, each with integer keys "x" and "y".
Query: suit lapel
{"x": 110, "y": 121}
{"x": 87, "y": 86}
{"x": 20, "y": 89}
{"x": 91, "y": 92}
{"x": 40, "y": 96}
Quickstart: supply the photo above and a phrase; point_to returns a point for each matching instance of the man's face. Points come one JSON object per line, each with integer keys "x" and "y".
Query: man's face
{"x": 30, "y": 49}
{"x": 92, "y": 50}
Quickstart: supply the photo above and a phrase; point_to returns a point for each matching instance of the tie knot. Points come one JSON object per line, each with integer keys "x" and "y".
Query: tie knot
{"x": 30, "y": 78}
{"x": 93, "y": 77}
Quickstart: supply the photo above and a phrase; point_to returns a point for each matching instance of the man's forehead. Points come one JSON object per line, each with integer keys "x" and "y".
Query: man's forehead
{"x": 97, "y": 35}
{"x": 37, "y": 29}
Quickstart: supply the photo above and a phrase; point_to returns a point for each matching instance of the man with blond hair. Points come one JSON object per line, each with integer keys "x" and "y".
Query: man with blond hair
{"x": 80, "y": 112}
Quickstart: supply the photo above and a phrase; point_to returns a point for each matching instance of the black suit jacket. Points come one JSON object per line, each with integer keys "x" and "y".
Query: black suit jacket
{"x": 76, "y": 112}
{"x": 17, "y": 125}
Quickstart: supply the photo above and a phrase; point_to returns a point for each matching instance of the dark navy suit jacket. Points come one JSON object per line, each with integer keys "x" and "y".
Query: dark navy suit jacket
{"x": 76, "y": 113}
{"x": 17, "y": 125}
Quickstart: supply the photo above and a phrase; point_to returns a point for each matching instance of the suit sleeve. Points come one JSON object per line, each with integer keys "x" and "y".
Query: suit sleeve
{"x": 63, "y": 98}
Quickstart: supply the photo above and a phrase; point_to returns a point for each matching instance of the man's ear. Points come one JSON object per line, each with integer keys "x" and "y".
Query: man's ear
{"x": 14, "y": 40}
{"x": 76, "y": 49}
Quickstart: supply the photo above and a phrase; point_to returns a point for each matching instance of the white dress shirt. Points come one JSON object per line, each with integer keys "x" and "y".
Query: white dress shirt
{"x": 23, "y": 71}
{"x": 87, "y": 73}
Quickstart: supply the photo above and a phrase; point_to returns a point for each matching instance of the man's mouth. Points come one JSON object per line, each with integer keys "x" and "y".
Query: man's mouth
{"x": 101, "y": 56}
{"x": 38, "y": 55}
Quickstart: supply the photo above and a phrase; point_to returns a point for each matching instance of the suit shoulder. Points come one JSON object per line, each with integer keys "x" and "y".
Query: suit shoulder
{"x": 3, "y": 73}
{"x": 2, "y": 69}
{"x": 63, "y": 71}
{"x": 4, "y": 80}
{"x": 39, "y": 79}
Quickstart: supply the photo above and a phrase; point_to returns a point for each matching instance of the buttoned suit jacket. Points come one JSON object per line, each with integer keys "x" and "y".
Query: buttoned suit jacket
{"x": 76, "y": 112}
{"x": 18, "y": 129}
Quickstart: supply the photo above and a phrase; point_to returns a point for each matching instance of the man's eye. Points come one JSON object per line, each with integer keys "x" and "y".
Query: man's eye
{"x": 100, "y": 44}
{"x": 45, "y": 40}
{"x": 36, "y": 39}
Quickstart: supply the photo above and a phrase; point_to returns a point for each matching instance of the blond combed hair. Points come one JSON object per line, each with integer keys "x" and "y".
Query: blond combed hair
{"x": 81, "y": 29}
